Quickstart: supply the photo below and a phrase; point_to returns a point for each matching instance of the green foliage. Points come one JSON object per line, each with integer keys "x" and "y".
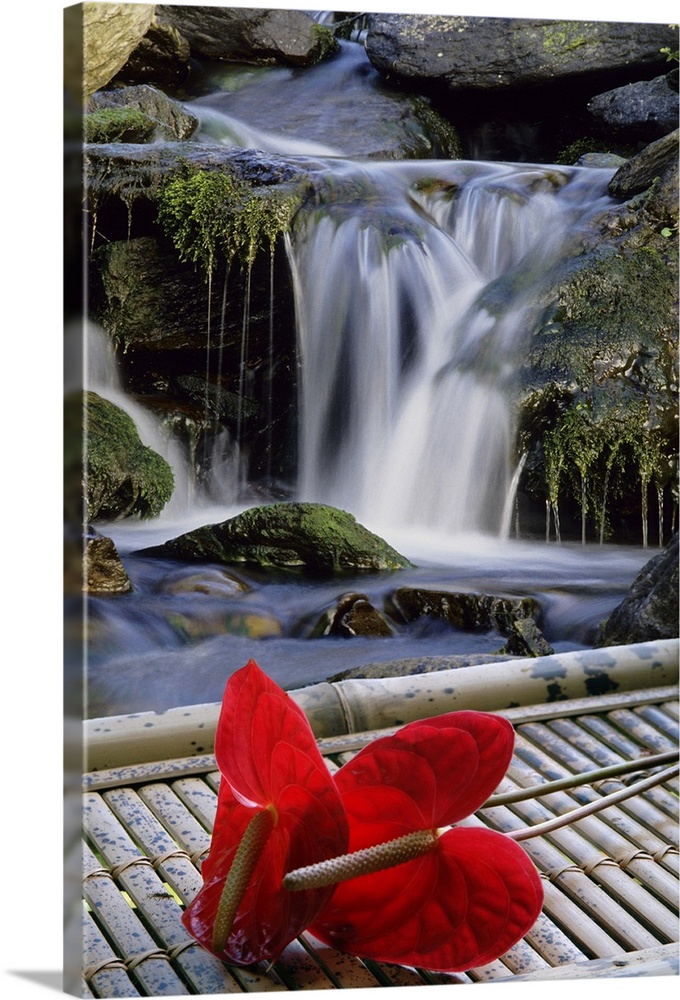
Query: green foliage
{"x": 211, "y": 214}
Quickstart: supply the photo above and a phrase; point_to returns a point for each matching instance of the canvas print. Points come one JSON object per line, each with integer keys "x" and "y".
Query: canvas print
{"x": 371, "y": 494}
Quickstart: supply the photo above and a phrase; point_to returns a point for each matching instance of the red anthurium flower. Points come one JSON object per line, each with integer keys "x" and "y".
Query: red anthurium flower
{"x": 278, "y": 809}
{"x": 467, "y": 894}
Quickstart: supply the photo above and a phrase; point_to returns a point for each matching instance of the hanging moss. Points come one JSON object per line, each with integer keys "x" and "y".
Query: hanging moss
{"x": 210, "y": 215}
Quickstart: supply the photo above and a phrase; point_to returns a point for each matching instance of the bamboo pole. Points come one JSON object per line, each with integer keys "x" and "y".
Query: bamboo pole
{"x": 355, "y": 706}
{"x": 379, "y": 703}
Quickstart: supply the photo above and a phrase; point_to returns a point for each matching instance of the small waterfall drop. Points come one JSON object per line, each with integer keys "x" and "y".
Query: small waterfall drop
{"x": 406, "y": 374}
{"x": 102, "y": 377}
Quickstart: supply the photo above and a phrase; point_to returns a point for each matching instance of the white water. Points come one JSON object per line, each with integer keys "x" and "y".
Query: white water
{"x": 406, "y": 414}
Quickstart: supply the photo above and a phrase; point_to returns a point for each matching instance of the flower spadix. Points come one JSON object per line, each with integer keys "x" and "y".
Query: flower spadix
{"x": 464, "y": 895}
{"x": 278, "y": 809}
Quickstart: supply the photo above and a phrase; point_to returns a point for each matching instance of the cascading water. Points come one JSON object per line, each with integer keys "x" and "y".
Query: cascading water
{"x": 406, "y": 375}
{"x": 415, "y": 284}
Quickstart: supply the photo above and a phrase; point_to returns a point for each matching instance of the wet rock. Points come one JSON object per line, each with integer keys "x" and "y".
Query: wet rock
{"x": 209, "y": 581}
{"x": 124, "y": 477}
{"x": 472, "y": 612}
{"x": 657, "y": 160}
{"x": 604, "y": 161}
{"x": 104, "y": 572}
{"x": 353, "y": 614}
{"x": 307, "y": 536}
{"x": 647, "y": 108}
{"x": 495, "y": 54}
{"x": 418, "y": 665}
{"x": 526, "y": 639}
{"x": 262, "y": 37}
{"x": 169, "y": 118}
{"x": 111, "y": 32}
{"x": 650, "y": 609}
{"x": 204, "y": 623}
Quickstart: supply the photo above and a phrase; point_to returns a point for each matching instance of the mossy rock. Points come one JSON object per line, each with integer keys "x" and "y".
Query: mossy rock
{"x": 598, "y": 407}
{"x": 118, "y": 125}
{"x": 124, "y": 477}
{"x": 306, "y": 536}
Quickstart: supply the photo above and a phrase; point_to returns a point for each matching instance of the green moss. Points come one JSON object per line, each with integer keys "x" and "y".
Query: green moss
{"x": 304, "y": 536}
{"x": 560, "y": 37}
{"x": 599, "y": 423}
{"x": 326, "y": 43}
{"x": 209, "y": 215}
{"x": 118, "y": 125}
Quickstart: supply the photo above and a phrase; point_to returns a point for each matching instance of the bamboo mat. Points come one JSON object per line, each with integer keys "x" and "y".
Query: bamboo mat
{"x": 610, "y": 880}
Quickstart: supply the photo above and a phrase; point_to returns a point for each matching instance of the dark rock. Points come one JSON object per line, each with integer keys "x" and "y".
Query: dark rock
{"x": 473, "y": 612}
{"x": 650, "y": 609}
{"x": 526, "y": 639}
{"x": 171, "y": 121}
{"x": 309, "y": 536}
{"x": 162, "y": 57}
{"x": 262, "y": 37}
{"x": 123, "y": 476}
{"x": 418, "y": 665}
{"x": 104, "y": 572}
{"x": 657, "y": 160}
{"x": 647, "y": 108}
{"x": 494, "y": 54}
{"x": 134, "y": 173}
{"x": 353, "y": 614}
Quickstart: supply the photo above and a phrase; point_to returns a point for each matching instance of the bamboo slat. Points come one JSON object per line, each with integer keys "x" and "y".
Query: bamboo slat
{"x": 610, "y": 880}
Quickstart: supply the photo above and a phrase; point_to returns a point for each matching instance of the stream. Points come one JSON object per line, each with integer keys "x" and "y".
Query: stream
{"x": 405, "y": 419}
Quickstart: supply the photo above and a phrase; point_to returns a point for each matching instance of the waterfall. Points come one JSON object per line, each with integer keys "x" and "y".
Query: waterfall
{"x": 407, "y": 369}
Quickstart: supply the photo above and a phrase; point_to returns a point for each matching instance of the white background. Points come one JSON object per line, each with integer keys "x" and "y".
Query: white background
{"x": 31, "y": 364}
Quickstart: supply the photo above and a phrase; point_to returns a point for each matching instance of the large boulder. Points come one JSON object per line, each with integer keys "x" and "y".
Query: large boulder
{"x": 168, "y": 117}
{"x": 111, "y": 32}
{"x": 263, "y": 37}
{"x": 307, "y": 536}
{"x": 495, "y": 54}
{"x": 646, "y": 108}
{"x": 650, "y": 609}
{"x": 656, "y": 165}
{"x": 598, "y": 413}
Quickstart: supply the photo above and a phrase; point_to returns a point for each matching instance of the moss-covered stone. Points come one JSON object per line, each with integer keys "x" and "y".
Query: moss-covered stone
{"x": 598, "y": 420}
{"x": 118, "y": 125}
{"x": 123, "y": 477}
{"x": 307, "y": 536}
